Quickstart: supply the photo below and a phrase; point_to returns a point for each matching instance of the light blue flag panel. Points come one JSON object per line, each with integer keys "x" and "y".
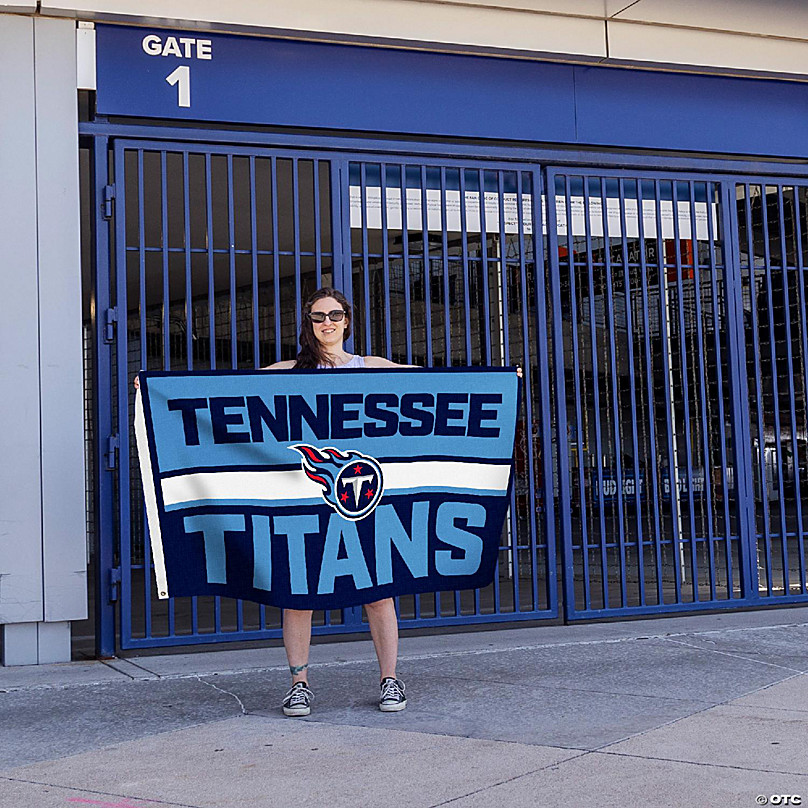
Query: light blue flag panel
{"x": 322, "y": 489}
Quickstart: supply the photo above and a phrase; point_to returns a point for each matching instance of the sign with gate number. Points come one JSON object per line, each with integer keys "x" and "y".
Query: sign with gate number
{"x": 319, "y": 489}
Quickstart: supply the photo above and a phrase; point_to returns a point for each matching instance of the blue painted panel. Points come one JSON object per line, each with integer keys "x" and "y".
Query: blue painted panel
{"x": 685, "y": 112}
{"x": 305, "y": 84}
{"x": 265, "y": 81}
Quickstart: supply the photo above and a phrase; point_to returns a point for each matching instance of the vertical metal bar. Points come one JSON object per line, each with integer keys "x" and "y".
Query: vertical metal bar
{"x": 342, "y": 255}
{"x": 164, "y": 257}
{"x": 164, "y": 250}
{"x": 211, "y": 305}
{"x": 790, "y": 383}
{"x": 231, "y": 232}
{"x": 609, "y": 324}
{"x": 367, "y": 348}
{"x": 801, "y": 306}
{"x": 447, "y": 311}
{"x": 673, "y": 481}
{"x": 560, "y": 404}
{"x": 211, "y": 286}
{"x": 276, "y": 260}
{"x": 388, "y": 343}
{"x": 485, "y": 272}
{"x": 318, "y": 247}
{"x": 543, "y": 380}
{"x": 703, "y": 397}
{"x": 427, "y": 269}
{"x": 503, "y": 269}
{"x": 466, "y": 318}
{"x": 254, "y": 267}
{"x": 105, "y": 387}
{"x": 189, "y": 311}
{"x": 632, "y": 381}
{"x": 405, "y": 245}
{"x": 231, "y": 246}
{"x": 593, "y": 356}
{"x": 677, "y": 254}
{"x": 649, "y": 378}
{"x": 123, "y": 398}
{"x": 576, "y": 374}
{"x": 465, "y": 253}
{"x": 501, "y": 254}
{"x": 506, "y": 358}
{"x": 189, "y": 304}
{"x": 255, "y": 330}
{"x": 296, "y": 221}
{"x": 526, "y": 372}
{"x": 775, "y": 381}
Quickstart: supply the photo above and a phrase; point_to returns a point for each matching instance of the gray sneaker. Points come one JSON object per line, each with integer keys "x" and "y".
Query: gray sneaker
{"x": 392, "y": 698}
{"x": 298, "y": 700}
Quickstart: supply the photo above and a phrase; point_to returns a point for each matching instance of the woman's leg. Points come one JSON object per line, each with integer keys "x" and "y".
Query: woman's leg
{"x": 384, "y": 631}
{"x": 296, "y": 641}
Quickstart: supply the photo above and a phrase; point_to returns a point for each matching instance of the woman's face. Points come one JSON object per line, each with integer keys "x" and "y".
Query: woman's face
{"x": 328, "y": 333}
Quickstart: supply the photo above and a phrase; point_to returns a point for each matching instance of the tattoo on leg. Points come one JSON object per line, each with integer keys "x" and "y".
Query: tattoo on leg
{"x": 295, "y": 669}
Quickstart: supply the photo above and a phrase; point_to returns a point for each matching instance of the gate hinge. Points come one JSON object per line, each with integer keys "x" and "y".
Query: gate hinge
{"x": 114, "y": 584}
{"x": 112, "y": 452}
{"x": 109, "y": 196}
{"x": 110, "y": 319}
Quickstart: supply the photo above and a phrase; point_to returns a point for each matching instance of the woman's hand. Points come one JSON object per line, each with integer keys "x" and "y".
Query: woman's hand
{"x": 136, "y": 382}
{"x": 519, "y": 371}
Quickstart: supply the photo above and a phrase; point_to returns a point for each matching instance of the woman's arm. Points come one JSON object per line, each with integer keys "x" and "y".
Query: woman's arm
{"x": 381, "y": 362}
{"x": 287, "y": 364}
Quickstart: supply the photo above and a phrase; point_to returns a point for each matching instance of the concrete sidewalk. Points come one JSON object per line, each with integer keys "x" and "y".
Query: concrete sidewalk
{"x": 686, "y": 711}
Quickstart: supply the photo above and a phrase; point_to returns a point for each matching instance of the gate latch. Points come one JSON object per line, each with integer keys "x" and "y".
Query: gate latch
{"x": 114, "y": 584}
{"x": 110, "y": 319}
{"x": 112, "y": 452}
{"x": 109, "y": 195}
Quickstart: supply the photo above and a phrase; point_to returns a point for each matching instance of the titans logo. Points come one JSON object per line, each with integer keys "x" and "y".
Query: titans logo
{"x": 352, "y": 482}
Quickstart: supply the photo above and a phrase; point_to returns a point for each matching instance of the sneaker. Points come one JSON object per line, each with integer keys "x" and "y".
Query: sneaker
{"x": 392, "y": 698}
{"x": 298, "y": 700}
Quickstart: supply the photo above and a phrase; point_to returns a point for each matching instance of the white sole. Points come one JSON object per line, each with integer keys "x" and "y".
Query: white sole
{"x": 293, "y": 712}
{"x": 392, "y": 708}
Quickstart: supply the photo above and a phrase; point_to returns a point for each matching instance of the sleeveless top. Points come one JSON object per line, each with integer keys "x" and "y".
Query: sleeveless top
{"x": 355, "y": 361}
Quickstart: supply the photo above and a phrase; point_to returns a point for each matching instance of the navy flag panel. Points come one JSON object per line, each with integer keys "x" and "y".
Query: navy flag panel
{"x": 320, "y": 490}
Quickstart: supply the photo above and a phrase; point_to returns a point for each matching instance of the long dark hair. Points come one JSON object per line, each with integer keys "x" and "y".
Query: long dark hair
{"x": 311, "y": 353}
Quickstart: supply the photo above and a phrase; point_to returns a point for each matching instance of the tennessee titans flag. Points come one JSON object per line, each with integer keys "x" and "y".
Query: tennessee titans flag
{"x": 322, "y": 489}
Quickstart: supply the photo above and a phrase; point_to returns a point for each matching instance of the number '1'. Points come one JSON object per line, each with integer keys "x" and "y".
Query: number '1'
{"x": 182, "y": 78}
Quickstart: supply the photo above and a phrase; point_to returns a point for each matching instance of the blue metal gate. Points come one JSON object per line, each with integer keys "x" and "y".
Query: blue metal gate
{"x": 653, "y": 501}
{"x": 216, "y": 246}
{"x": 661, "y": 321}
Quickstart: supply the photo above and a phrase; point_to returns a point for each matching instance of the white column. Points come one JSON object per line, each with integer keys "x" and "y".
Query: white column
{"x": 42, "y": 510}
{"x": 21, "y": 595}
{"x": 64, "y": 533}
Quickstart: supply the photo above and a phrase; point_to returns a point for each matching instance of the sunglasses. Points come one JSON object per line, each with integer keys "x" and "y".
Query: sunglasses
{"x": 319, "y": 316}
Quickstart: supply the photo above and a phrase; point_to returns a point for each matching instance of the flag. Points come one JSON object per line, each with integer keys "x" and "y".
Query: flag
{"x": 321, "y": 489}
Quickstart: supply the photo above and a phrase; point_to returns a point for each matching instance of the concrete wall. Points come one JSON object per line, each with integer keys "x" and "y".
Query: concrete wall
{"x": 758, "y": 37}
{"x": 42, "y": 518}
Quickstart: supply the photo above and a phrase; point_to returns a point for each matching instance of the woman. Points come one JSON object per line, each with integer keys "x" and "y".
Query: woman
{"x": 325, "y": 326}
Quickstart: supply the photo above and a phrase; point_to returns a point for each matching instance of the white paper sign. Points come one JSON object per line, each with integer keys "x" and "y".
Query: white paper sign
{"x": 454, "y": 214}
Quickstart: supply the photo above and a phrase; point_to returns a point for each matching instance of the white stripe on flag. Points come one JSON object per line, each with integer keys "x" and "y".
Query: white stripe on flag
{"x": 276, "y": 486}
{"x": 150, "y": 498}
